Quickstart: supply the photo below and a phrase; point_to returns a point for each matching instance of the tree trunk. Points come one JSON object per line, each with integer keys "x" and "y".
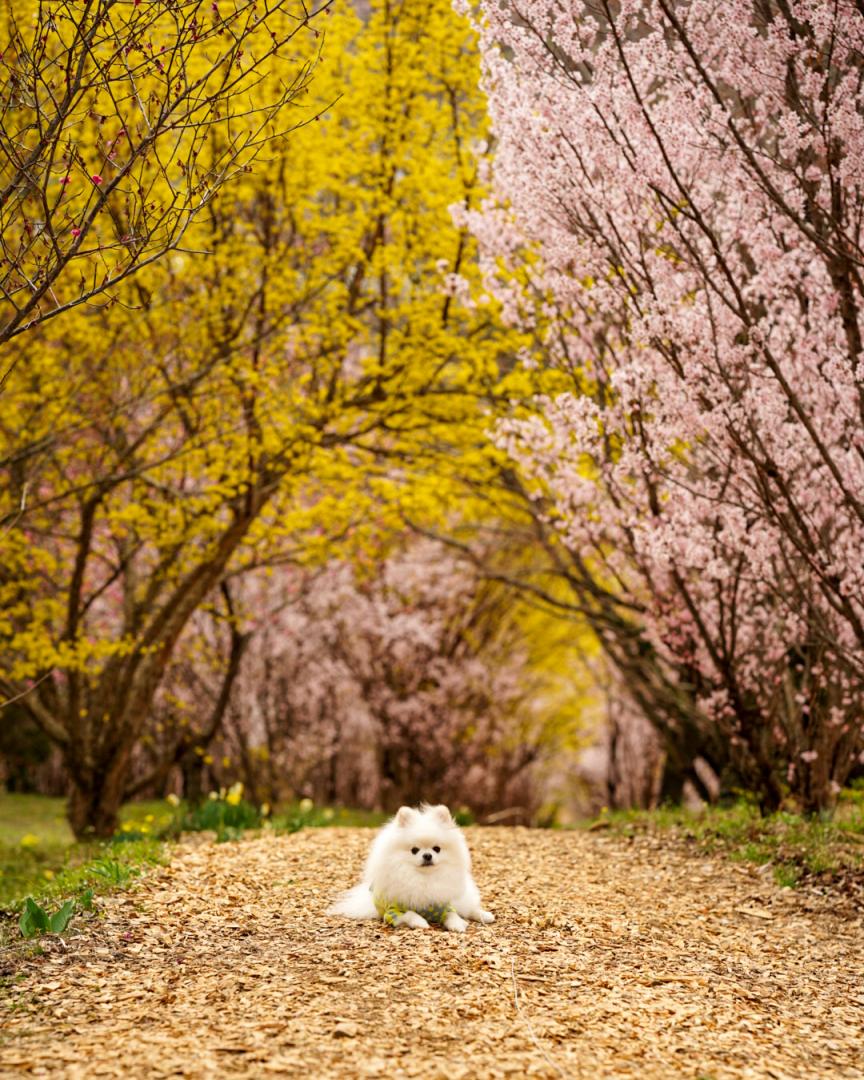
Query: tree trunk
{"x": 96, "y": 798}
{"x": 192, "y": 767}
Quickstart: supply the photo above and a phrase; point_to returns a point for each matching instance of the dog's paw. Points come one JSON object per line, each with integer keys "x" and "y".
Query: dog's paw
{"x": 455, "y": 922}
{"x": 415, "y": 921}
{"x": 485, "y": 917}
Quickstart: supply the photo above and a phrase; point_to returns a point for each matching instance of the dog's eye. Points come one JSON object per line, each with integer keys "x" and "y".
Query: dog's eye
{"x": 414, "y": 850}
{"x": 436, "y": 849}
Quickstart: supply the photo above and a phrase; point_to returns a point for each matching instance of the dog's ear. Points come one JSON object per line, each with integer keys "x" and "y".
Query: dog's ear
{"x": 442, "y": 814}
{"x": 404, "y": 816}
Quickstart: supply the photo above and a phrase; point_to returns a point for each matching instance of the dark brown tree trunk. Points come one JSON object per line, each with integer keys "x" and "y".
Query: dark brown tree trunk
{"x": 192, "y": 769}
{"x": 128, "y": 684}
{"x": 96, "y": 797}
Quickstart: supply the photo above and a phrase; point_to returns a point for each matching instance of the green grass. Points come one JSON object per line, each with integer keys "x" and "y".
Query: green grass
{"x": 797, "y": 848}
{"x": 33, "y": 815}
{"x": 296, "y": 815}
{"x": 39, "y": 856}
{"x": 87, "y": 870}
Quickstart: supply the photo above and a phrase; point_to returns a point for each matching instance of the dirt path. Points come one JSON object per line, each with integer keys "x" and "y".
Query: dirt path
{"x": 607, "y": 960}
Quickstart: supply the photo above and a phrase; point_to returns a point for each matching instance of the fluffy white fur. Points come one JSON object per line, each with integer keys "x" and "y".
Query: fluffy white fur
{"x": 419, "y": 859}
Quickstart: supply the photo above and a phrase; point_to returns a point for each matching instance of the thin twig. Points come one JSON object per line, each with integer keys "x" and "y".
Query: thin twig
{"x": 529, "y": 1025}
{"x": 24, "y": 693}
{"x": 22, "y": 506}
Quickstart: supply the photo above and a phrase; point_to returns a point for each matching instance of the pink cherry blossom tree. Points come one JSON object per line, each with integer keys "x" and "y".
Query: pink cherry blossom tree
{"x": 688, "y": 181}
{"x": 370, "y": 686}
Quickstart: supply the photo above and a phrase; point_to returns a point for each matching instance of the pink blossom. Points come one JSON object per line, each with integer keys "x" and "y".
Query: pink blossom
{"x": 693, "y": 276}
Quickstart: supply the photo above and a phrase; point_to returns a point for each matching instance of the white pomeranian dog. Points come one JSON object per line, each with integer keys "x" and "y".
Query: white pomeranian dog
{"x": 418, "y": 872}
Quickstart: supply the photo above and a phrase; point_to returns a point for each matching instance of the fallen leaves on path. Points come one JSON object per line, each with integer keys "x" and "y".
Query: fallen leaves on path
{"x": 608, "y": 959}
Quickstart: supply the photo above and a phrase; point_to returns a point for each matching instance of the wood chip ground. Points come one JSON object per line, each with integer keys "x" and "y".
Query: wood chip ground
{"x": 608, "y": 959}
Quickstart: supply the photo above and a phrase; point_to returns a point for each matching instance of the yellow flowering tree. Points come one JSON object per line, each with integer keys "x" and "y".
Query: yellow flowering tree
{"x": 260, "y": 402}
{"x": 119, "y": 123}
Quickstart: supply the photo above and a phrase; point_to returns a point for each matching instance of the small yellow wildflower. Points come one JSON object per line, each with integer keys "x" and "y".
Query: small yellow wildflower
{"x": 172, "y": 799}
{"x": 328, "y": 813}
{"x": 149, "y": 819}
{"x": 235, "y": 794}
{"x": 48, "y": 875}
{"x": 306, "y": 805}
{"x": 29, "y": 840}
{"x": 265, "y": 809}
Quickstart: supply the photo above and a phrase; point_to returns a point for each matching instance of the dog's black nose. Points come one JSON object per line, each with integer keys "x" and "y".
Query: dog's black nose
{"x": 427, "y": 856}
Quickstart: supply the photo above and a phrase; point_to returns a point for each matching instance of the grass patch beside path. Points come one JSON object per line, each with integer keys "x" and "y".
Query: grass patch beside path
{"x": 39, "y": 856}
{"x": 79, "y": 872}
{"x": 798, "y": 849}
{"x": 304, "y": 815}
{"x": 23, "y": 816}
